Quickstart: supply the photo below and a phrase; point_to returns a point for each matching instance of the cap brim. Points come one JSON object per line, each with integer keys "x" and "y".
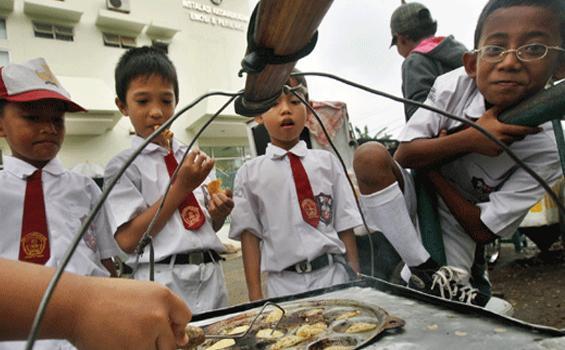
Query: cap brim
{"x": 393, "y": 41}
{"x": 37, "y": 95}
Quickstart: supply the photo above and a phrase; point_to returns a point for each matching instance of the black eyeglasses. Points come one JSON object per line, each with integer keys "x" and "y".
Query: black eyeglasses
{"x": 526, "y": 53}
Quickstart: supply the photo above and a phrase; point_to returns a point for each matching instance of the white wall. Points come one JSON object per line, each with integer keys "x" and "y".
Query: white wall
{"x": 207, "y": 57}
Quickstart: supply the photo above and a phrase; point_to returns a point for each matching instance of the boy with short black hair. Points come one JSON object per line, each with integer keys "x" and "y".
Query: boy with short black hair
{"x": 294, "y": 210}
{"x": 43, "y": 205}
{"x": 484, "y": 194}
{"x": 187, "y": 249}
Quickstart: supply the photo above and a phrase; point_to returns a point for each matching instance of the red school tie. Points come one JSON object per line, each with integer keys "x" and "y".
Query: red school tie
{"x": 308, "y": 206}
{"x": 34, "y": 241}
{"x": 190, "y": 211}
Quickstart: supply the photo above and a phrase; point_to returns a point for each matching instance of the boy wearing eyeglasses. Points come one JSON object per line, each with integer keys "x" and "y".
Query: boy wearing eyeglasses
{"x": 483, "y": 193}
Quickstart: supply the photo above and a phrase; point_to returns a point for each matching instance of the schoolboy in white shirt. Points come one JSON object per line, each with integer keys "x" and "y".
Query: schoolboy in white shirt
{"x": 483, "y": 193}
{"x": 43, "y": 205}
{"x": 294, "y": 210}
{"x": 184, "y": 237}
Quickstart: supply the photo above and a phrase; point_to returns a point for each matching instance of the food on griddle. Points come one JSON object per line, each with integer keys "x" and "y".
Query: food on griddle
{"x": 348, "y": 314}
{"x": 239, "y": 330}
{"x": 313, "y": 312}
{"x": 215, "y": 186}
{"x": 268, "y": 333}
{"x": 360, "y": 327}
{"x": 308, "y": 331}
{"x": 195, "y": 337}
{"x": 287, "y": 342}
{"x": 304, "y": 325}
{"x": 274, "y": 316}
{"x": 222, "y": 344}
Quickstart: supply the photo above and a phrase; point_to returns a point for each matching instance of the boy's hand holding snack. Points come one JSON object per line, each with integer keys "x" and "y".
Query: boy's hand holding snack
{"x": 221, "y": 203}
{"x": 194, "y": 171}
{"x": 506, "y": 133}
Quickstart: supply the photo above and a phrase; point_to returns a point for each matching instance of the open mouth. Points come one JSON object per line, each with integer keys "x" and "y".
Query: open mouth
{"x": 287, "y": 123}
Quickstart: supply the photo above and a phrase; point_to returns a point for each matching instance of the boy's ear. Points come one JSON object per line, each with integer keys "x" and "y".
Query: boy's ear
{"x": 470, "y": 64}
{"x": 560, "y": 71}
{"x": 259, "y": 119}
{"x": 121, "y": 106}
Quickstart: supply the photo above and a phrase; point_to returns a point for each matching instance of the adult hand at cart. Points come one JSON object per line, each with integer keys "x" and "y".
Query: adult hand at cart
{"x": 128, "y": 314}
{"x": 91, "y": 312}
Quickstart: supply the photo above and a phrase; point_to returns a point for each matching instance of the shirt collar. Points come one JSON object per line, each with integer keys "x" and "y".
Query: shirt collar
{"x": 476, "y": 106}
{"x": 136, "y": 141}
{"x": 22, "y": 169}
{"x": 275, "y": 152}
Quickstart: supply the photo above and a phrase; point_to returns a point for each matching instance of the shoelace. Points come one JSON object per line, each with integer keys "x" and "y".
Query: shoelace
{"x": 446, "y": 278}
{"x": 466, "y": 294}
{"x": 442, "y": 278}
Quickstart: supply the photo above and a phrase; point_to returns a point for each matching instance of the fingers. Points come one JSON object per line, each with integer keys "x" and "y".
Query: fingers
{"x": 191, "y": 157}
{"x": 222, "y": 203}
{"x": 519, "y": 130}
{"x": 180, "y": 315}
{"x": 166, "y": 340}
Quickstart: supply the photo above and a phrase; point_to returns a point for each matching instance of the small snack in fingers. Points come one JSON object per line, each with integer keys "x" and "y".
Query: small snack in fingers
{"x": 195, "y": 337}
{"x": 215, "y": 187}
{"x": 167, "y": 134}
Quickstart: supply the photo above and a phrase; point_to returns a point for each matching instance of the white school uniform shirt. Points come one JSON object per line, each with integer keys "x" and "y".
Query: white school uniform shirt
{"x": 266, "y": 204}
{"x": 142, "y": 185}
{"x": 502, "y": 190}
{"x": 69, "y": 197}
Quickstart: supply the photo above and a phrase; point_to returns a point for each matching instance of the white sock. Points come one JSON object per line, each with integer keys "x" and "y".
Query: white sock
{"x": 386, "y": 212}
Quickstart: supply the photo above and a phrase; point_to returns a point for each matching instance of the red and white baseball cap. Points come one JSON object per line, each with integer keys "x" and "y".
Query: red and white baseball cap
{"x": 33, "y": 81}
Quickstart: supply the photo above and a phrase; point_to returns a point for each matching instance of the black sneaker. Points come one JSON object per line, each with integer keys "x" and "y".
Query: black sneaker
{"x": 469, "y": 295}
{"x": 445, "y": 283}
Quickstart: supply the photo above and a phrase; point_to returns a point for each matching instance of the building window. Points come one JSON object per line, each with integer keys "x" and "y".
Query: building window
{"x": 160, "y": 45}
{"x": 116, "y": 40}
{"x": 4, "y": 58}
{"x": 3, "y": 34}
{"x": 53, "y": 31}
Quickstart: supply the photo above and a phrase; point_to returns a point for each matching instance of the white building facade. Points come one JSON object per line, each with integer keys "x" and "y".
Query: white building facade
{"x": 82, "y": 41}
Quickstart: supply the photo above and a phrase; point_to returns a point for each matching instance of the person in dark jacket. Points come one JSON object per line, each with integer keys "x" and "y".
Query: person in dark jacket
{"x": 426, "y": 56}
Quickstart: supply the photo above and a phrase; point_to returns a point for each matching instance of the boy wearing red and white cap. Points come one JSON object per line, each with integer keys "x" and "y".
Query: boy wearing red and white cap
{"x": 43, "y": 205}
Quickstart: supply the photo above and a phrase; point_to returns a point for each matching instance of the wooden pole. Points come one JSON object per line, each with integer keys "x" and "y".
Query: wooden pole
{"x": 285, "y": 26}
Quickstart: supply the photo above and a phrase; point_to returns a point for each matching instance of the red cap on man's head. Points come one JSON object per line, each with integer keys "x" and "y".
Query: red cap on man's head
{"x": 33, "y": 81}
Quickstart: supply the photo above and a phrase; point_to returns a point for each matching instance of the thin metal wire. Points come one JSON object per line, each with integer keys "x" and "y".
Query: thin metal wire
{"x": 483, "y": 131}
{"x": 86, "y": 224}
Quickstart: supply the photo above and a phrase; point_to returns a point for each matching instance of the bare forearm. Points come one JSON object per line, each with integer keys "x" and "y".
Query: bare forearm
{"x": 422, "y": 153}
{"x": 130, "y": 233}
{"x": 251, "y": 255}
{"x": 129, "y": 314}
{"x": 348, "y": 239}
{"x": 465, "y": 212}
{"x": 20, "y": 299}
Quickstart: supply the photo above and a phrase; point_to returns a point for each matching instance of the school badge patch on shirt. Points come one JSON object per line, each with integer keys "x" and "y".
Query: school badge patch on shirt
{"x": 89, "y": 237}
{"x": 325, "y": 203}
